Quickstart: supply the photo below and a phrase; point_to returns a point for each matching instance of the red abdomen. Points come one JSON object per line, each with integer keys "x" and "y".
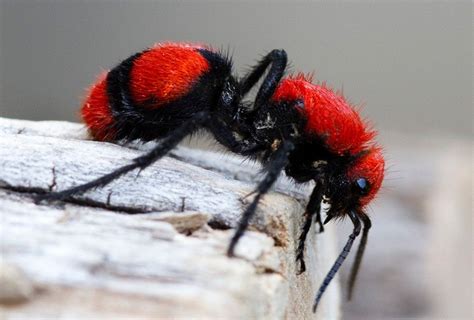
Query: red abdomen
{"x": 166, "y": 73}
{"x": 96, "y": 112}
{"x": 157, "y": 76}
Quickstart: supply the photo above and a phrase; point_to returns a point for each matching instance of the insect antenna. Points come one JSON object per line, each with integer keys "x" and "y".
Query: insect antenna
{"x": 340, "y": 259}
{"x": 360, "y": 253}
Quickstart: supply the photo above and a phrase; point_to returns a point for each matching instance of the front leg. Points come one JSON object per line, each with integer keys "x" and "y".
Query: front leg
{"x": 319, "y": 221}
{"x": 313, "y": 207}
{"x": 276, "y": 165}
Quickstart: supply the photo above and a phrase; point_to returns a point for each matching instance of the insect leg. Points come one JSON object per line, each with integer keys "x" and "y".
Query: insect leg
{"x": 277, "y": 163}
{"x": 166, "y": 144}
{"x": 313, "y": 207}
{"x": 278, "y": 59}
{"x": 360, "y": 253}
{"x": 320, "y": 222}
{"x": 340, "y": 259}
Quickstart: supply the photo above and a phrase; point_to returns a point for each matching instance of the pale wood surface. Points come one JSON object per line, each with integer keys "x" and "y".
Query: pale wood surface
{"x": 93, "y": 258}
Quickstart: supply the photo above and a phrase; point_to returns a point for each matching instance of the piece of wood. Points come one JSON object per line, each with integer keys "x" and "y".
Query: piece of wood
{"x": 150, "y": 245}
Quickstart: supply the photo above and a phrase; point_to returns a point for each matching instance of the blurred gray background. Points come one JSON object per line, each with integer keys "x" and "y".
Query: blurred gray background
{"x": 409, "y": 63}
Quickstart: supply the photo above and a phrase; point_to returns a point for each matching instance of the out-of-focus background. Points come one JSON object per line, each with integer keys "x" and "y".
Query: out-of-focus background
{"x": 408, "y": 63}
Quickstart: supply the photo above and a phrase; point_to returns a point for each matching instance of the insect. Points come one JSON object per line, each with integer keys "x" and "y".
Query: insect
{"x": 171, "y": 90}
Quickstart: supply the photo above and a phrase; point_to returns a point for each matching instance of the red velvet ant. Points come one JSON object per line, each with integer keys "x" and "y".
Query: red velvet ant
{"x": 171, "y": 90}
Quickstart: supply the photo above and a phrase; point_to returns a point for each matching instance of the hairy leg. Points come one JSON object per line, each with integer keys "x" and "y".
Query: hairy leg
{"x": 313, "y": 207}
{"x": 166, "y": 144}
{"x": 278, "y": 60}
{"x": 275, "y": 166}
{"x": 244, "y": 146}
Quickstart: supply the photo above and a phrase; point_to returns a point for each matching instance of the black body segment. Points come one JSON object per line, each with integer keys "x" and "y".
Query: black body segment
{"x": 135, "y": 121}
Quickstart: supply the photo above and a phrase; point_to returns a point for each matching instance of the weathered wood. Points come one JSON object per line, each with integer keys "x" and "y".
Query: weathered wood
{"x": 94, "y": 258}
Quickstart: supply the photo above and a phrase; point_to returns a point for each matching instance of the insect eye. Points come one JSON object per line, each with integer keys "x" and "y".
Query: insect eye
{"x": 362, "y": 185}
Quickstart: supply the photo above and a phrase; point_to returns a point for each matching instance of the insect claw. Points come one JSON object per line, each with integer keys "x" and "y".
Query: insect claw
{"x": 328, "y": 218}
{"x": 302, "y": 267}
{"x": 248, "y": 195}
{"x": 138, "y": 173}
{"x": 321, "y": 227}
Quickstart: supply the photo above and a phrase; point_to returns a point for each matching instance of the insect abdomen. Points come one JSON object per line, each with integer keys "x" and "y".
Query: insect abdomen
{"x": 144, "y": 82}
{"x": 96, "y": 112}
{"x": 165, "y": 74}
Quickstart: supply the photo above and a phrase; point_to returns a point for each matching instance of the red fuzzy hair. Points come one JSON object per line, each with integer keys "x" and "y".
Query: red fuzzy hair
{"x": 329, "y": 115}
{"x": 96, "y": 112}
{"x": 165, "y": 73}
{"x": 371, "y": 166}
{"x": 159, "y": 75}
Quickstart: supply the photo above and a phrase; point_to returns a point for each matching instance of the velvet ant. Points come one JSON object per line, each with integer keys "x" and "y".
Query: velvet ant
{"x": 171, "y": 90}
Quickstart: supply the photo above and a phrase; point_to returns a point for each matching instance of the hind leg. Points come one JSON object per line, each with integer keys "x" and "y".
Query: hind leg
{"x": 166, "y": 144}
